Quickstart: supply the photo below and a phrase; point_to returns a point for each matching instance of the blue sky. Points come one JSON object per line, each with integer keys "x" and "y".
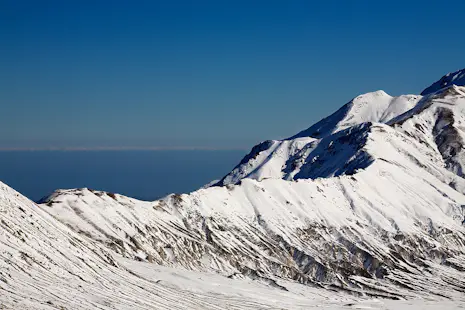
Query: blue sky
{"x": 207, "y": 74}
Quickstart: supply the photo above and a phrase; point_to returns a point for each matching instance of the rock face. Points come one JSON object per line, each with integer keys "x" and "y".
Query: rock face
{"x": 370, "y": 200}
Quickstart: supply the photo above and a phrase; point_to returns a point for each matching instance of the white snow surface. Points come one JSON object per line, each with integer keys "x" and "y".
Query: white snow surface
{"x": 376, "y": 106}
{"x": 45, "y": 265}
{"x": 364, "y": 210}
{"x": 284, "y": 158}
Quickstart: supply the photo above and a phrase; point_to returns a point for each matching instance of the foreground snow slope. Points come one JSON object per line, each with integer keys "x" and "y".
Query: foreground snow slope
{"x": 45, "y": 265}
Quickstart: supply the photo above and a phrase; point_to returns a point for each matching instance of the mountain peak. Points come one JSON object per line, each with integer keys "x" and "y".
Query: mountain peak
{"x": 370, "y": 200}
{"x": 376, "y": 93}
{"x": 452, "y": 78}
{"x": 377, "y": 106}
{"x": 337, "y": 144}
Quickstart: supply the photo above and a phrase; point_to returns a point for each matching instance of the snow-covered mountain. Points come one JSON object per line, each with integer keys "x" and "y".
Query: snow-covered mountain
{"x": 370, "y": 201}
{"x": 285, "y": 158}
{"x": 321, "y": 151}
{"x": 46, "y": 265}
{"x": 452, "y": 78}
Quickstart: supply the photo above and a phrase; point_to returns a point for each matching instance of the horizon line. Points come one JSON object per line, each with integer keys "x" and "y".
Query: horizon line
{"x": 119, "y": 148}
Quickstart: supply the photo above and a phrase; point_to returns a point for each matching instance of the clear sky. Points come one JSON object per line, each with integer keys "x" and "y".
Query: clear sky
{"x": 208, "y": 74}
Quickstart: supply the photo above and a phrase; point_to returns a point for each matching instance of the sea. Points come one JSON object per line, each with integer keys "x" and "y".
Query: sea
{"x": 145, "y": 175}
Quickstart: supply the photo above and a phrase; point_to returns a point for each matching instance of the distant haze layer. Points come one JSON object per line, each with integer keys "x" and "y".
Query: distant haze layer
{"x": 143, "y": 174}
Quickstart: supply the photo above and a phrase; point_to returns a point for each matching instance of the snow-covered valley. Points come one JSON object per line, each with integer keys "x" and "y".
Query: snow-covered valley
{"x": 364, "y": 209}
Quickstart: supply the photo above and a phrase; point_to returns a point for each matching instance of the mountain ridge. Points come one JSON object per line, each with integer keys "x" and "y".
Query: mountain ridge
{"x": 228, "y": 228}
{"x": 372, "y": 205}
{"x": 452, "y": 78}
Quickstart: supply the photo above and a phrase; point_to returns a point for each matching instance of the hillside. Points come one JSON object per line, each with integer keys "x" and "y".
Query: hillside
{"x": 365, "y": 206}
{"x": 369, "y": 202}
{"x": 45, "y": 265}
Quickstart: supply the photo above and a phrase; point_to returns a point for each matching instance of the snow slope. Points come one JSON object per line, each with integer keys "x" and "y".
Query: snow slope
{"x": 371, "y": 208}
{"x": 369, "y": 201}
{"x": 371, "y": 107}
{"x": 438, "y": 121}
{"x": 45, "y": 265}
{"x": 283, "y": 159}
